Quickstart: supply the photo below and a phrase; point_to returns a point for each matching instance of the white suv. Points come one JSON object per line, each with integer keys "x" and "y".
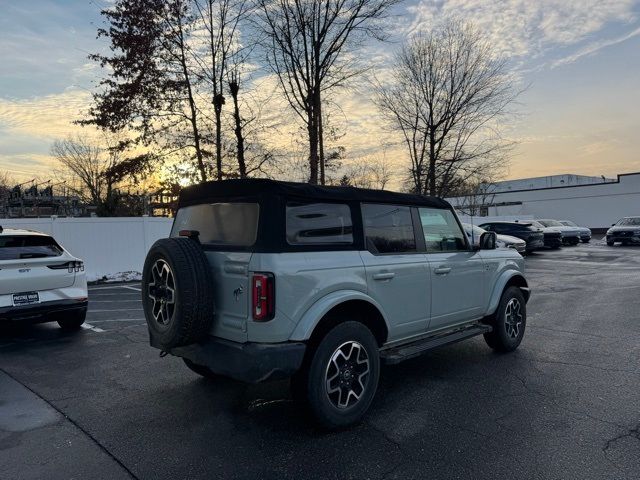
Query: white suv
{"x": 40, "y": 281}
{"x": 263, "y": 279}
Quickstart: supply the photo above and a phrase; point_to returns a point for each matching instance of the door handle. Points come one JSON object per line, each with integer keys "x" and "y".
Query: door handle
{"x": 384, "y": 276}
{"x": 442, "y": 270}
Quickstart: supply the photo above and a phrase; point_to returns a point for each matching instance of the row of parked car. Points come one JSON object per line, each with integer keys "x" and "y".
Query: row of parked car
{"x": 531, "y": 235}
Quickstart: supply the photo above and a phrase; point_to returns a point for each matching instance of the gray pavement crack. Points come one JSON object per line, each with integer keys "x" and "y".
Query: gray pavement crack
{"x": 630, "y": 433}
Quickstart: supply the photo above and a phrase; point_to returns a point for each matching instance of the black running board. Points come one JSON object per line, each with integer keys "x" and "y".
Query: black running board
{"x": 403, "y": 352}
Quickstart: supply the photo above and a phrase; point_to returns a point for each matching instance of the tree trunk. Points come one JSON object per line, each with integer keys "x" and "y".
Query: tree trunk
{"x": 313, "y": 146}
{"x": 432, "y": 164}
{"x": 320, "y": 138}
{"x": 218, "y": 101}
{"x": 234, "y": 87}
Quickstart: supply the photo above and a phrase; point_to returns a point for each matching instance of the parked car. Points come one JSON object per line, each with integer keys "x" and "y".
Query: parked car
{"x": 533, "y": 236}
{"x": 626, "y": 230}
{"x": 570, "y": 235}
{"x": 585, "y": 233}
{"x": 552, "y": 236}
{"x": 263, "y": 279}
{"x": 474, "y": 233}
{"x": 40, "y": 281}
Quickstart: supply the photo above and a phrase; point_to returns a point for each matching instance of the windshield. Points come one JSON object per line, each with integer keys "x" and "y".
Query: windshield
{"x": 629, "y": 222}
{"x": 568, "y": 223}
{"x": 28, "y": 246}
{"x": 550, "y": 223}
{"x": 536, "y": 224}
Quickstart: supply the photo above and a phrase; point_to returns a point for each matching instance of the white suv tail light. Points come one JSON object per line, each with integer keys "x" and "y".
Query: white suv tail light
{"x": 72, "y": 266}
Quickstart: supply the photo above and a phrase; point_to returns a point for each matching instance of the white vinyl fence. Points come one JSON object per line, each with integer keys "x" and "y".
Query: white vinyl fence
{"x": 112, "y": 248}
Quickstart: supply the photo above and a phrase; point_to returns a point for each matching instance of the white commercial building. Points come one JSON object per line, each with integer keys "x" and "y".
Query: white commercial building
{"x": 594, "y": 205}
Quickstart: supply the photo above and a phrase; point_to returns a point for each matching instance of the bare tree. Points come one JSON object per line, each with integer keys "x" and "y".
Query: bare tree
{"x": 305, "y": 43}
{"x": 446, "y": 95}
{"x": 373, "y": 172}
{"x": 92, "y": 171}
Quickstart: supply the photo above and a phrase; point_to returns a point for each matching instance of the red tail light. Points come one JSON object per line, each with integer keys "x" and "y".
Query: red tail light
{"x": 263, "y": 293}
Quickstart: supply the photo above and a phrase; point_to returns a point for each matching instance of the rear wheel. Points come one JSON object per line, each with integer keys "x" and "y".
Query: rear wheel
{"x": 508, "y": 322}
{"x": 72, "y": 320}
{"x": 201, "y": 370}
{"x": 342, "y": 376}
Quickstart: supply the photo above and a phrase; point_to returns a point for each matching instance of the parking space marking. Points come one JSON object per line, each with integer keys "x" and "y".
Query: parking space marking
{"x": 115, "y": 310}
{"x": 594, "y": 264}
{"x": 120, "y": 320}
{"x": 88, "y": 326}
{"x": 131, "y": 288}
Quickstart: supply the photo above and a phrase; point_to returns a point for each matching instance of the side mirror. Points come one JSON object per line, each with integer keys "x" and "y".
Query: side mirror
{"x": 488, "y": 241}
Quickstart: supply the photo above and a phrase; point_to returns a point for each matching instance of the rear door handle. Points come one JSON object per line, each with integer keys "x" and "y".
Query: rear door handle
{"x": 442, "y": 270}
{"x": 384, "y": 276}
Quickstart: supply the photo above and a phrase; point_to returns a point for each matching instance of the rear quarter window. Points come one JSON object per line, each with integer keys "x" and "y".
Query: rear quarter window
{"x": 234, "y": 224}
{"x": 319, "y": 223}
{"x": 16, "y": 247}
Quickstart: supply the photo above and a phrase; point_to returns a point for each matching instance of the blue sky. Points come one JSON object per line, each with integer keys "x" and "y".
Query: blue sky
{"x": 581, "y": 59}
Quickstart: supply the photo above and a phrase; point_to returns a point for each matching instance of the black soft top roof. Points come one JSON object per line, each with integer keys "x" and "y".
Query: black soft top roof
{"x": 261, "y": 187}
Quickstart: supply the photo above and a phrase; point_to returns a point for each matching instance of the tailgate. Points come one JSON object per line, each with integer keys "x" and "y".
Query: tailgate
{"x": 32, "y": 275}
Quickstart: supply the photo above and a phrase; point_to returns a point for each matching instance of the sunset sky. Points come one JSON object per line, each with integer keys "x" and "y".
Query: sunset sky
{"x": 580, "y": 58}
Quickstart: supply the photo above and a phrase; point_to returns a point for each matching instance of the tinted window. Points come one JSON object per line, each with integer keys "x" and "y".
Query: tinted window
{"x": 28, "y": 246}
{"x": 319, "y": 223}
{"x": 220, "y": 223}
{"x": 629, "y": 222}
{"x": 441, "y": 230}
{"x": 388, "y": 228}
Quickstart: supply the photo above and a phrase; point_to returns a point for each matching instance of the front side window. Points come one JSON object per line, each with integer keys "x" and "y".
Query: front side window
{"x": 388, "y": 229}
{"x": 319, "y": 223}
{"x": 442, "y": 232}
{"x": 16, "y": 247}
{"x": 234, "y": 224}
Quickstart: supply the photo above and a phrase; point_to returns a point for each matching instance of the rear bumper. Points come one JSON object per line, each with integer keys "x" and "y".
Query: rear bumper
{"x": 39, "y": 311}
{"x": 247, "y": 362}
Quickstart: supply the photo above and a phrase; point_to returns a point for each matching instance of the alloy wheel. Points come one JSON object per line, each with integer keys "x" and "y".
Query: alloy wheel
{"x": 161, "y": 291}
{"x": 513, "y": 318}
{"x": 347, "y": 374}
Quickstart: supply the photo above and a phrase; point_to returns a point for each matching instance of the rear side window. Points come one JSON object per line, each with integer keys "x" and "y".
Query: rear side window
{"x": 319, "y": 223}
{"x": 388, "y": 229}
{"x": 28, "y": 246}
{"x": 441, "y": 230}
{"x": 220, "y": 223}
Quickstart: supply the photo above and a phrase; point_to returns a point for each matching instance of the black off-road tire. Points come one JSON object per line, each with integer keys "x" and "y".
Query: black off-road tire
{"x": 190, "y": 316}
{"x": 72, "y": 320}
{"x": 312, "y": 382}
{"x": 504, "y": 338}
{"x": 201, "y": 370}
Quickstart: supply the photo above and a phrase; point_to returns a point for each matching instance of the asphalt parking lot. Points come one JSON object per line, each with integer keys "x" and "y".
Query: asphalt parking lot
{"x": 100, "y": 403}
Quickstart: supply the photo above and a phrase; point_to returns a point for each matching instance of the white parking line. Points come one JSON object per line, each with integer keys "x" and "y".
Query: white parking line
{"x": 116, "y": 310}
{"x": 88, "y": 326}
{"x": 120, "y": 320}
{"x": 131, "y": 288}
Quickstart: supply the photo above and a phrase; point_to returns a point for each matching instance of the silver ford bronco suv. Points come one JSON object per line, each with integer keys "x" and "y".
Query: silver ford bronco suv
{"x": 265, "y": 280}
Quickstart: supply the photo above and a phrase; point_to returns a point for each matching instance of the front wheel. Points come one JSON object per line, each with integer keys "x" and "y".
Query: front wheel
{"x": 610, "y": 243}
{"x": 508, "y": 322}
{"x": 342, "y": 376}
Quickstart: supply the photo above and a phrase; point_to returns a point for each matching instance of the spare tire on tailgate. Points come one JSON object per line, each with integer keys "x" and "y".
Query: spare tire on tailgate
{"x": 177, "y": 293}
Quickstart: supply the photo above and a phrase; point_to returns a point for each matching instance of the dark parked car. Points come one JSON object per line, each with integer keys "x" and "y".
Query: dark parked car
{"x": 625, "y": 230}
{"x": 524, "y": 230}
{"x": 553, "y": 237}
